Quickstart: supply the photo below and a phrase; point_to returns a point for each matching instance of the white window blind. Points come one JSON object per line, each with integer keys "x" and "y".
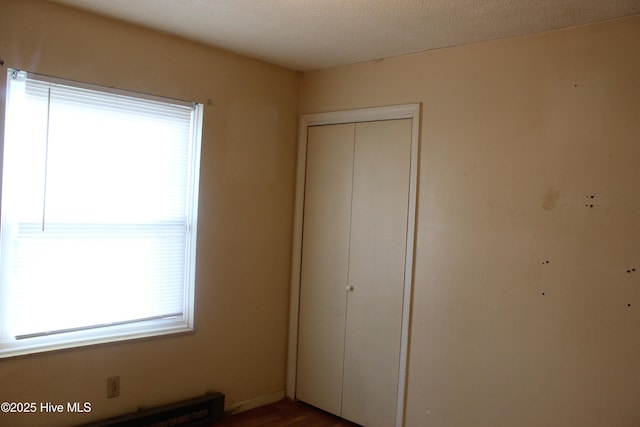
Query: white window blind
{"x": 99, "y": 203}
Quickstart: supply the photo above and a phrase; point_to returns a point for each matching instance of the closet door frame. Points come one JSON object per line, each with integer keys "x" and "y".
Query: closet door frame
{"x": 405, "y": 111}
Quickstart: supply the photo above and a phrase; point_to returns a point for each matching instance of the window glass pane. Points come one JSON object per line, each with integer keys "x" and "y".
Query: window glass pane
{"x": 74, "y": 276}
{"x": 98, "y": 213}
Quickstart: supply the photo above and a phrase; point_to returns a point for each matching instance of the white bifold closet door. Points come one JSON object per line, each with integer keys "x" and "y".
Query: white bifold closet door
{"x": 353, "y": 269}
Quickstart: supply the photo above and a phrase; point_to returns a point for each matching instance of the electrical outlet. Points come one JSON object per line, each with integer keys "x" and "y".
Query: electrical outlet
{"x": 113, "y": 387}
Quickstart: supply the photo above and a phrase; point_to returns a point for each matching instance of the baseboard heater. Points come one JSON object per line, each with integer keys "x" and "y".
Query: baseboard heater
{"x": 197, "y": 412}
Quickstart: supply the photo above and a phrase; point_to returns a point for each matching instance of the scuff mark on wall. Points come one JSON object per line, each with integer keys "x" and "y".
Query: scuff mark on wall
{"x": 550, "y": 200}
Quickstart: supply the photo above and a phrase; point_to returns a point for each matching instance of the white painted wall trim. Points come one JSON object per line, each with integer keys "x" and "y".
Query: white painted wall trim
{"x": 255, "y": 403}
{"x": 406, "y": 111}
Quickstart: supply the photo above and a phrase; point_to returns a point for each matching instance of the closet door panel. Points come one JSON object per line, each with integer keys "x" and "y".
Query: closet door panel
{"x": 376, "y": 271}
{"x": 325, "y": 258}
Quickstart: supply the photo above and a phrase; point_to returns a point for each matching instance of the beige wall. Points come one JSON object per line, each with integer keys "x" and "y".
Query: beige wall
{"x": 515, "y": 135}
{"x": 244, "y": 235}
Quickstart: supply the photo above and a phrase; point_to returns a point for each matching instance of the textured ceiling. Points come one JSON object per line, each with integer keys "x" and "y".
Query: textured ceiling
{"x": 313, "y": 34}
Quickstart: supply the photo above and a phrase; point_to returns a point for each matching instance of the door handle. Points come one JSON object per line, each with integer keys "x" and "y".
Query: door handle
{"x": 349, "y": 288}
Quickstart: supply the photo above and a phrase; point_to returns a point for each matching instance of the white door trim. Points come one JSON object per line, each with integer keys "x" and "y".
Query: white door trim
{"x": 406, "y": 111}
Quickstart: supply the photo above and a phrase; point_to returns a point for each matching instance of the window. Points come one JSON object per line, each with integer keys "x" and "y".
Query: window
{"x": 98, "y": 214}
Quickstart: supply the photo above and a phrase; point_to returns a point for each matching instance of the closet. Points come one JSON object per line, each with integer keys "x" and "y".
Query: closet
{"x": 353, "y": 264}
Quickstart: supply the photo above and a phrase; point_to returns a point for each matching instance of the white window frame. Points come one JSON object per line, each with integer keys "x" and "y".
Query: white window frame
{"x": 83, "y": 336}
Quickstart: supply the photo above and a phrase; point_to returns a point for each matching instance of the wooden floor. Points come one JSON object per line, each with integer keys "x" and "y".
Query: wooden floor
{"x": 284, "y": 413}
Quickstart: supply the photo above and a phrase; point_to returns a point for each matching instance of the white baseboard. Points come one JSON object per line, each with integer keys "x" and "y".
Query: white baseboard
{"x": 254, "y": 403}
